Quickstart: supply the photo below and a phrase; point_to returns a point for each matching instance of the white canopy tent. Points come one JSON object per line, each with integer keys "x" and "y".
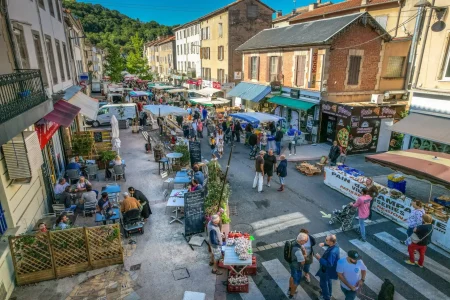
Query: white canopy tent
{"x": 163, "y": 87}
{"x": 176, "y": 91}
{"x": 207, "y": 91}
{"x": 165, "y": 110}
{"x": 218, "y": 101}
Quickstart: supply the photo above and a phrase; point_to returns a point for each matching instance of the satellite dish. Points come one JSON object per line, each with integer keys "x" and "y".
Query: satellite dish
{"x": 438, "y": 26}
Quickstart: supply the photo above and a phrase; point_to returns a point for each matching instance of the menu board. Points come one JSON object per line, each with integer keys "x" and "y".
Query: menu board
{"x": 98, "y": 137}
{"x": 194, "y": 212}
{"x": 195, "y": 152}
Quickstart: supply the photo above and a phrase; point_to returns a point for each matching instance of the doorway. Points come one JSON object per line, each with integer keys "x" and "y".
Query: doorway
{"x": 385, "y": 135}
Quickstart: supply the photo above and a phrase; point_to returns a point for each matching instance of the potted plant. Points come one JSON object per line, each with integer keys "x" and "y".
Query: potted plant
{"x": 82, "y": 144}
{"x": 123, "y": 123}
{"x": 106, "y": 157}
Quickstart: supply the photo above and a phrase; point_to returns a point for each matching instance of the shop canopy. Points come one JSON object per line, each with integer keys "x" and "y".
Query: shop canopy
{"x": 174, "y": 91}
{"x": 431, "y": 166}
{"x": 89, "y": 106}
{"x": 139, "y": 93}
{"x": 256, "y": 117}
{"x": 292, "y": 103}
{"x": 209, "y": 102}
{"x": 207, "y": 91}
{"x": 428, "y": 127}
{"x": 165, "y": 110}
{"x": 250, "y": 91}
{"x": 63, "y": 113}
{"x": 163, "y": 87}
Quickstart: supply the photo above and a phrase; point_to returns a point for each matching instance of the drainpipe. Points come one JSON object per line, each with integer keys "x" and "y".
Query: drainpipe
{"x": 424, "y": 42}
{"x": 4, "y": 8}
{"x": 400, "y": 5}
{"x": 414, "y": 45}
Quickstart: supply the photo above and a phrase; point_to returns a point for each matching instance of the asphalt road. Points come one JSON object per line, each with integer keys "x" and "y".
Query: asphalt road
{"x": 272, "y": 217}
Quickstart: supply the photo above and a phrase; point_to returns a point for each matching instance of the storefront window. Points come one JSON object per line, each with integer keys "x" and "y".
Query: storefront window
{"x": 427, "y": 145}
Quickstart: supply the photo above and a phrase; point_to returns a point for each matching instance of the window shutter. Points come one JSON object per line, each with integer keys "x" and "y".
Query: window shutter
{"x": 268, "y": 69}
{"x": 250, "y": 67}
{"x": 442, "y": 69}
{"x": 354, "y": 70}
{"x": 300, "y": 70}
{"x": 218, "y": 53}
{"x": 280, "y": 68}
{"x": 257, "y": 68}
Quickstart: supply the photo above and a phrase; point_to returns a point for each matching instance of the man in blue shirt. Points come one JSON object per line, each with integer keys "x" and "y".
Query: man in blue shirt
{"x": 198, "y": 175}
{"x": 328, "y": 263}
{"x": 73, "y": 165}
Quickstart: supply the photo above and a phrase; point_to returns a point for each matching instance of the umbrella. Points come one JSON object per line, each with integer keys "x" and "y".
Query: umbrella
{"x": 165, "y": 110}
{"x": 115, "y": 134}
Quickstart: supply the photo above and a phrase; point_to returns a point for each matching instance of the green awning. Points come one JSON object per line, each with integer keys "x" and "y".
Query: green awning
{"x": 292, "y": 103}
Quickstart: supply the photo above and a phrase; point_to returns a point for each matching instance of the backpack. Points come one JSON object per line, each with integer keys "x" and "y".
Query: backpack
{"x": 288, "y": 245}
{"x": 387, "y": 291}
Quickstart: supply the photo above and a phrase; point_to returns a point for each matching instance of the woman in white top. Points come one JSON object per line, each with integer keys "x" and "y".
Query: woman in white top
{"x": 117, "y": 161}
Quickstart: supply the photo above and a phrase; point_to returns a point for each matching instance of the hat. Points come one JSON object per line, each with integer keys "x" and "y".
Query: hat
{"x": 354, "y": 255}
{"x": 262, "y": 152}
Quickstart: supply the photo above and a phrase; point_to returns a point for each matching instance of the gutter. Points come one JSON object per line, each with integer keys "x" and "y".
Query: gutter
{"x": 4, "y": 9}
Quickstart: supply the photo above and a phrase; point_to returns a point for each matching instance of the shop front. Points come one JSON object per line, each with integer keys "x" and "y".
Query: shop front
{"x": 359, "y": 127}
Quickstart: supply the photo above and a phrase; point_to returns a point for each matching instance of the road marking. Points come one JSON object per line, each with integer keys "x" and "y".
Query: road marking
{"x": 337, "y": 293}
{"x": 325, "y": 215}
{"x": 434, "y": 247}
{"x": 430, "y": 264}
{"x": 417, "y": 283}
{"x": 372, "y": 282}
{"x": 281, "y": 277}
{"x": 253, "y": 292}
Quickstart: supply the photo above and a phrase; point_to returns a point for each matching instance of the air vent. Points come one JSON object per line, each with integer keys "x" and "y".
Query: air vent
{"x": 23, "y": 156}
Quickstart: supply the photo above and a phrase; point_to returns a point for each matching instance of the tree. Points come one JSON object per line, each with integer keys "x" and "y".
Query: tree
{"x": 136, "y": 62}
{"x": 115, "y": 63}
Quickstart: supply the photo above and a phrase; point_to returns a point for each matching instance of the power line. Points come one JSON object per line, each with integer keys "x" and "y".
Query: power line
{"x": 154, "y": 8}
{"x": 380, "y": 36}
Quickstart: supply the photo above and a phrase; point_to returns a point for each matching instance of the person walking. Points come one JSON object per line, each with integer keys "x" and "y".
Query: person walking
{"x": 414, "y": 219}
{"x": 296, "y": 265}
{"x": 293, "y": 143}
{"x": 259, "y": 168}
{"x": 363, "y": 205}
{"x": 328, "y": 263}
{"x": 213, "y": 145}
{"x": 278, "y": 138}
{"x": 270, "y": 163}
{"x": 351, "y": 271}
{"x": 373, "y": 192}
{"x": 308, "y": 243}
{"x": 420, "y": 241}
{"x": 200, "y": 129}
{"x": 282, "y": 171}
{"x": 215, "y": 243}
{"x": 335, "y": 151}
{"x": 237, "y": 131}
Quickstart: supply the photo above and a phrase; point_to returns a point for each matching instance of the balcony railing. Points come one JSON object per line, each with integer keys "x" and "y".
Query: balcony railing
{"x": 19, "y": 92}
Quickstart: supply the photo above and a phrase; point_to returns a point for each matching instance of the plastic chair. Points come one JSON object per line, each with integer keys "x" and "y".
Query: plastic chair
{"x": 73, "y": 175}
{"x": 164, "y": 161}
{"x": 168, "y": 181}
{"x": 119, "y": 171}
{"x": 92, "y": 170}
{"x": 89, "y": 208}
{"x": 58, "y": 208}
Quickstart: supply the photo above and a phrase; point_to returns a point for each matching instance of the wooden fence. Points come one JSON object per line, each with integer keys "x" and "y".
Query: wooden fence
{"x": 63, "y": 253}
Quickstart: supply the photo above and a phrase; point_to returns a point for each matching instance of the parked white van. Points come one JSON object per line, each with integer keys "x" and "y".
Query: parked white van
{"x": 107, "y": 111}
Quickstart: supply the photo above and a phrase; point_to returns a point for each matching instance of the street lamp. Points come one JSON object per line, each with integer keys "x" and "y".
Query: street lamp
{"x": 423, "y": 3}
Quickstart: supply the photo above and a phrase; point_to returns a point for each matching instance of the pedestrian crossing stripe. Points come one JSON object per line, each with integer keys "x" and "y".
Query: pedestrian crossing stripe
{"x": 280, "y": 274}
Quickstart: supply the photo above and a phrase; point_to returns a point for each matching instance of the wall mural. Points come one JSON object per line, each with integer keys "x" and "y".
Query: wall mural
{"x": 423, "y": 144}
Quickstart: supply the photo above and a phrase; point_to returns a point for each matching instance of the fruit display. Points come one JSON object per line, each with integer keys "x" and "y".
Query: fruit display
{"x": 238, "y": 280}
{"x": 242, "y": 243}
{"x": 396, "y": 194}
{"x": 396, "y": 177}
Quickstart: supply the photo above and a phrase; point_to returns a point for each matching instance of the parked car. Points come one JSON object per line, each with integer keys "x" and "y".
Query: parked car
{"x": 107, "y": 111}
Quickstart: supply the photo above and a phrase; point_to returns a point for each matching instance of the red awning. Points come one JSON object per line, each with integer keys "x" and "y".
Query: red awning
{"x": 63, "y": 113}
{"x": 431, "y": 166}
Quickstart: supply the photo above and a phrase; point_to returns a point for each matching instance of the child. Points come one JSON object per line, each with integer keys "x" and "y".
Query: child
{"x": 220, "y": 147}
{"x": 212, "y": 143}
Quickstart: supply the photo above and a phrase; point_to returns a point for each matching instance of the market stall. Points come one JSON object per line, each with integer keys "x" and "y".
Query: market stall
{"x": 139, "y": 94}
{"x": 168, "y": 113}
{"x": 391, "y": 202}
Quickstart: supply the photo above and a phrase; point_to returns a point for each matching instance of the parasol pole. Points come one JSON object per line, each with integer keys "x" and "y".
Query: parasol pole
{"x": 226, "y": 174}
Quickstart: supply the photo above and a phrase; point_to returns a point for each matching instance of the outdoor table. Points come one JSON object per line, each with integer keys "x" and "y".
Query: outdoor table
{"x": 113, "y": 192}
{"x": 51, "y": 220}
{"x": 174, "y": 156}
{"x": 178, "y": 193}
{"x": 182, "y": 174}
{"x": 175, "y": 202}
{"x": 101, "y": 218}
{"x": 231, "y": 259}
{"x": 182, "y": 180}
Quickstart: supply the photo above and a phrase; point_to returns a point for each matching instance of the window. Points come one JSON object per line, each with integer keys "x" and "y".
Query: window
{"x": 445, "y": 69}
{"x": 273, "y": 68}
{"x": 184, "y": 46}
{"x": 221, "y": 75}
{"x": 22, "y": 46}
{"x": 254, "y": 67}
{"x": 58, "y": 10}
{"x": 60, "y": 61}
{"x": 205, "y": 53}
{"x": 220, "y": 53}
{"x": 206, "y": 73}
{"x": 187, "y": 48}
{"x": 51, "y": 8}
{"x": 354, "y": 70}
{"x": 189, "y": 65}
{"x": 395, "y": 66}
{"x": 41, "y": 4}
{"x": 205, "y": 33}
{"x": 300, "y": 62}
{"x": 40, "y": 57}
{"x": 235, "y": 15}
{"x": 220, "y": 30}
{"x": 192, "y": 48}
{"x": 66, "y": 60}
{"x": 192, "y": 30}
{"x": 196, "y": 28}
{"x": 49, "y": 46}
{"x": 252, "y": 11}
{"x": 382, "y": 20}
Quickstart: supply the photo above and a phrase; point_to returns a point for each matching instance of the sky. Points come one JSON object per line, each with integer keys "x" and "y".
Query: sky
{"x": 179, "y": 12}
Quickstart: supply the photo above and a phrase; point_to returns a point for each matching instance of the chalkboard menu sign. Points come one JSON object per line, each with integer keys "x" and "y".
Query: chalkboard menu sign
{"x": 98, "y": 138}
{"x": 195, "y": 152}
{"x": 194, "y": 212}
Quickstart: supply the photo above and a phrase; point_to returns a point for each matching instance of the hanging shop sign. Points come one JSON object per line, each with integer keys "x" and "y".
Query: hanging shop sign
{"x": 295, "y": 93}
{"x": 275, "y": 87}
{"x": 45, "y": 131}
{"x": 237, "y": 75}
{"x": 83, "y": 77}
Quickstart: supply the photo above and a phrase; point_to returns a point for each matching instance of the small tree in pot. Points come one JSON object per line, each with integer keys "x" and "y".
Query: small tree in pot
{"x": 106, "y": 157}
{"x": 123, "y": 123}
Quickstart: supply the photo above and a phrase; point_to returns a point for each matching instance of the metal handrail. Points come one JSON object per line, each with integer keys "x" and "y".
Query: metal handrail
{"x": 19, "y": 92}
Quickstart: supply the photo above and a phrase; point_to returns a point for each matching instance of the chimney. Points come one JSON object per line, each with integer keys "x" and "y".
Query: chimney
{"x": 294, "y": 11}
{"x": 312, "y": 6}
{"x": 319, "y": 2}
{"x": 364, "y": 2}
{"x": 279, "y": 13}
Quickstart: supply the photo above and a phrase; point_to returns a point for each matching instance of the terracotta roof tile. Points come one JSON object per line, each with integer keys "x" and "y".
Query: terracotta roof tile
{"x": 342, "y": 6}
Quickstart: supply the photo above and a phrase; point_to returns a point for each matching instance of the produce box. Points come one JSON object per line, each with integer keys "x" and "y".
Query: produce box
{"x": 442, "y": 200}
{"x": 241, "y": 288}
{"x": 401, "y": 186}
